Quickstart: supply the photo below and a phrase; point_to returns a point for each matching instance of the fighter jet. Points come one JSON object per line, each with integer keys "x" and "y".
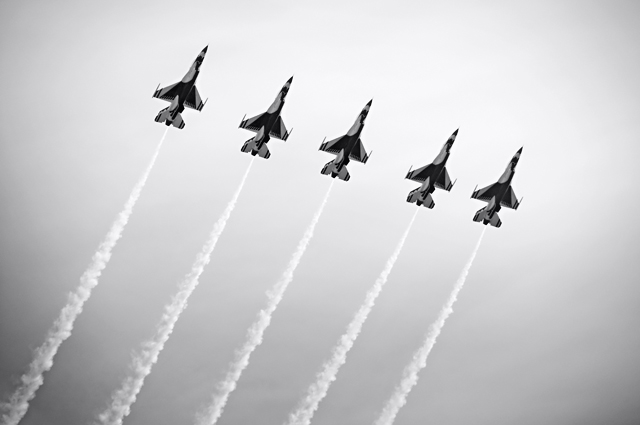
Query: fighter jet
{"x": 498, "y": 195}
{"x": 346, "y": 147}
{"x": 181, "y": 94}
{"x": 267, "y": 125}
{"x": 432, "y": 176}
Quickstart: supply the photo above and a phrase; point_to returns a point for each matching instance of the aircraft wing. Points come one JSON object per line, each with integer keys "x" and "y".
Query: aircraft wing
{"x": 256, "y": 123}
{"x": 444, "y": 181}
{"x": 335, "y": 146}
{"x": 358, "y": 153}
{"x": 486, "y": 193}
{"x": 194, "y": 101}
{"x": 168, "y": 93}
{"x": 279, "y": 131}
{"x": 420, "y": 174}
{"x": 510, "y": 200}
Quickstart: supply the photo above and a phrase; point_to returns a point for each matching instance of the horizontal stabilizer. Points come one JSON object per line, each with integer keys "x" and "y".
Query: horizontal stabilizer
{"x": 178, "y": 122}
{"x": 263, "y": 152}
{"x": 329, "y": 168}
{"x": 343, "y": 174}
{"x": 479, "y": 215}
{"x": 163, "y": 115}
{"x": 428, "y": 202}
{"x": 415, "y": 197}
{"x": 250, "y": 146}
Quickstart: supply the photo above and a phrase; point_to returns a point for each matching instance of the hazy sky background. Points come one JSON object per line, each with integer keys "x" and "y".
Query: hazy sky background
{"x": 546, "y": 328}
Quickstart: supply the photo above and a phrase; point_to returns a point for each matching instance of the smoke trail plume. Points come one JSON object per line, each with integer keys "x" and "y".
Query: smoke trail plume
{"x": 143, "y": 361}
{"x": 419, "y": 360}
{"x": 318, "y": 390}
{"x": 212, "y": 412}
{"x": 18, "y": 403}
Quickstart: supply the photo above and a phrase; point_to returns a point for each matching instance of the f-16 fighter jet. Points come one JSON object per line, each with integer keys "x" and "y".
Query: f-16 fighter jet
{"x": 181, "y": 94}
{"x": 267, "y": 125}
{"x": 432, "y": 176}
{"x": 498, "y": 195}
{"x": 346, "y": 148}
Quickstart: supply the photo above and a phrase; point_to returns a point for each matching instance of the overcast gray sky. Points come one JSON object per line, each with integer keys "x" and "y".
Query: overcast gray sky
{"x": 546, "y": 328}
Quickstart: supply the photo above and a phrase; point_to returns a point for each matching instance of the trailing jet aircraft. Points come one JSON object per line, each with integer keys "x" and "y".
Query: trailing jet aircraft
{"x": 498, "y": 195}
{"x": 181, "y": 94}
{"x": 432, "y": 176}
{"x": 346, "y": 147}
{"x": 267, "y": 125}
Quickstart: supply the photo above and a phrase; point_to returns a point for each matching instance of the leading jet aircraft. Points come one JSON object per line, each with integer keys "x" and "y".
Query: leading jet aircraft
{"x": 267, "y": 125}
{"x": 346, "y": 147}
{"x": 498, "y": 195}
{"x": 432, "y": 176}
{"x": 181, "y": 94}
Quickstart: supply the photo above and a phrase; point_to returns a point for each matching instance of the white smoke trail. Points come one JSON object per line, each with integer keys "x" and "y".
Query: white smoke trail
{"x": 419, "y": 360}
{"x": 318, "y": 390}
{"x": 18, "y": 404}
{"x": 143, "y": 361}
{"x": 212, "y": 412}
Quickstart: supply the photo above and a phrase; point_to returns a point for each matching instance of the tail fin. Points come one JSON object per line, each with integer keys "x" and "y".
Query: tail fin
{"x": 414, "y": 197}
{"x": 481, "y": 215}
{"x": 165, "y": 114}
{"x": 250, "y": 146}
{"x": 329, "y": 168}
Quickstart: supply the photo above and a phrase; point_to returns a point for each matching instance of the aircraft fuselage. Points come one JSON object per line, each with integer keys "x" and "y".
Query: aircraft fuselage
{"x": 186, "y": 85}
{"x": 429, "y": 184}
{"x": 504, "y": 182}
{"x": 342, "y": 159}
{"x": 273, "y": 112}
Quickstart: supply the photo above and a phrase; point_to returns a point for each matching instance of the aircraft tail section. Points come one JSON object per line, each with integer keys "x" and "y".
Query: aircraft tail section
{"x": 178, "y": 122}
{"x": 330, "y": 168}
{"x": 250, "y": 146}
{"x": 428, "y": 202}
{"x": 164, "y": 116}
{"x": 495, "y": 220}
{"x": 481, "y": 216}
{"x": 414, "y": 197}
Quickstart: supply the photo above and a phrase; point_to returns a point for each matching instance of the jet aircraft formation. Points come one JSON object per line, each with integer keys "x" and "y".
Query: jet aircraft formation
{"x": 346, "y": 148}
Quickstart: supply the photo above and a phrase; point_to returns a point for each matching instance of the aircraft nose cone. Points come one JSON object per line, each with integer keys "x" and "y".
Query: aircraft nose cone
{"x": 290, "y": 80}
{"x": 455, "y": 133}
{"x": 520, "y": 150}
{"x": 370, "y": 102}
{"x": 205, "y": 49}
